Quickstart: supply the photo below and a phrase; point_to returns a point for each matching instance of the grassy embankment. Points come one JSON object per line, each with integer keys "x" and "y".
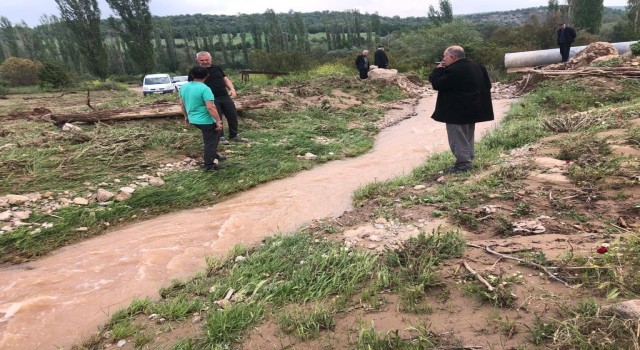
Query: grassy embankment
{"x": 305, "y": 284}
{"x": 43, "y": 158}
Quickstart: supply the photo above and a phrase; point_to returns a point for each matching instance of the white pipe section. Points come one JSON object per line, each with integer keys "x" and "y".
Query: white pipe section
{"x": 544, "y": 57}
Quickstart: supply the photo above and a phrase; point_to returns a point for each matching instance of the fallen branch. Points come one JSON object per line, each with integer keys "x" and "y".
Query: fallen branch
{"x": 522, "y": 261}
{"x": 89, "y": 100}
{"x": 623, "y": 72}
{"x": 477, "y": 275}
{"x": 167, "y": 110}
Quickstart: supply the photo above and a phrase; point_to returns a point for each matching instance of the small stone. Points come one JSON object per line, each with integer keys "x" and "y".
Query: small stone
{"x": 5, "y": 215}
{"x": 117, "y": 181}
{"x": 70, "y": 127}
{"x": 80, "y": 201}
{"x": 223, "y": 303}
{"x": 310, "y": 156}
{"x": 16, "y": 199}
{"x": 374, "y": 238}
{"x": 156, "y": 181}
{"x": 82, "y": 229}
{"x": 153, "y": 317}
{"x": 378, "y": 226}
{"x": 128, "y": 189}
{"x": 6, "y": 228}
{"x": 239, "y": 258}
{"x": 122, "y": 196}
{"x": 48, "y": 194}
{"x": 629, "y": 309}
{"x": 104, "y": 195}
{"x": 419, "y": 187}
{"x": 381, "y": 220}
{"x": 22, "y": 215}
{"x": 196, "y": 319}
{"x": 121, "y": 343}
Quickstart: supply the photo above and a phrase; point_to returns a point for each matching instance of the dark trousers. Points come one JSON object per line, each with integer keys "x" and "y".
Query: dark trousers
{"x": 461, "y": 143}
{"x": 364, "y": 73}
{"x": 210, "y": 139}
{"x": 564, "y": 51}
{"x": 227, "y": 108}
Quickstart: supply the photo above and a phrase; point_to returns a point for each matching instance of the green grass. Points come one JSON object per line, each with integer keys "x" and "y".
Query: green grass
{"x": 47, "y": 159}
{"x": 306, "y": 324}
{"x": 302, "y": 281}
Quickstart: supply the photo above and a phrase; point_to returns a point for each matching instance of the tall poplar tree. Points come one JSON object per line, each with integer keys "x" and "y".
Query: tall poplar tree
{"x": 136, "y": 30}
{"x": 633, "y": 12}
{"x": 82, "y": 18}
{"x": 588, "y": 15}
{"x": 9, "y": 38}
{"x": 275, "y": 38}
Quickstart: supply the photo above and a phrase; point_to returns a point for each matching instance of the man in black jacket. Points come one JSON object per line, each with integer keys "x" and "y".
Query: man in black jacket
{"x": 381, "y": 59}
{"x": 224, "y": 93}
{"x": 464, "y": 99}
{"x": 362, "y": 63}
{"x": 566, "y": 36}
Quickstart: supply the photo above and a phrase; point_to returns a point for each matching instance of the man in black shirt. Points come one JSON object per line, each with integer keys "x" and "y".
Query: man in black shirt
{"x": 566, "y": 36}
{"x": 381, "y": 59}
{"x": 224, "y": 92}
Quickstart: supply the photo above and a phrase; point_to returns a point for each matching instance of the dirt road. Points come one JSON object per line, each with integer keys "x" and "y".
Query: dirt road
{"x": 57, "y": 300}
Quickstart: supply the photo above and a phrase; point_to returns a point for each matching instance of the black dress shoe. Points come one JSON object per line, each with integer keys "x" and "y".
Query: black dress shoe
{"x": 455, "y": 170}
{"x": 210, "y": 167}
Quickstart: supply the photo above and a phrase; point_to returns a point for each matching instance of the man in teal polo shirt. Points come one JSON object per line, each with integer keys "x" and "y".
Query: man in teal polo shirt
{"x": 198, "y": 109}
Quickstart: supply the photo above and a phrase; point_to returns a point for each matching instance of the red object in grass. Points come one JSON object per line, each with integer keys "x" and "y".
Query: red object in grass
{"x": 602, "y": 250}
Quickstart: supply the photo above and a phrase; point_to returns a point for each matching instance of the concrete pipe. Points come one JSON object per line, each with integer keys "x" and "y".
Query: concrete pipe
{"x": 515, "y": 60}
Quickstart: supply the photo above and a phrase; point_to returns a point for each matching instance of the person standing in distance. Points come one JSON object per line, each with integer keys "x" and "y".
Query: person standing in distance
{"x": 464, "y": 99}
{"x": 381, "y": 59}
{"x": 224, "y": 92}
{"x": 362, "y": 63}
{"x": 566, "y": 36}
{"x": 199, "y": 110}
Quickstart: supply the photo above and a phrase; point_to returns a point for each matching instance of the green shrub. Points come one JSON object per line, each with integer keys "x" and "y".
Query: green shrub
{"x": 19, "y": 71}
{"x": 53, "y": 75}
{"x": 635, "y": 48}
{"x": 98, "y": 85}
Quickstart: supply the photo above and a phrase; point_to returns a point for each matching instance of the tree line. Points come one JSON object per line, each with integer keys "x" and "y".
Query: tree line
{"x": 135, "y": 42}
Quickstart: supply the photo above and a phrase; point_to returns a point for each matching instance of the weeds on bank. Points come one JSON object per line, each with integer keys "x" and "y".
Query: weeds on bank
{"x": 415, "y": 267}
{"x": 502, "y": 294}
{"x": 276, "y": 279}
{"x": 306, "y": 324}
{"x": 47, "y": 159}
{"x": 585, "y": 326}
{"x": 370, "y": 339}
{"x": 283, "y": 270}
{"x": 611, "y": 273}
{"x": 633, "y": 136}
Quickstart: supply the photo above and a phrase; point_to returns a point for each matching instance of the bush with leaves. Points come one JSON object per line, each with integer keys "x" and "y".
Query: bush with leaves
{"x": 417, "y": 48}
{"x": 53, "y": 75}
{"x": 19, "y": 71}
{"x": 635, "y": 48}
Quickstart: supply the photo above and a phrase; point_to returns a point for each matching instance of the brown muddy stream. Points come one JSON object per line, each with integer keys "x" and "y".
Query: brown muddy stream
{"x": 57, "y": 300}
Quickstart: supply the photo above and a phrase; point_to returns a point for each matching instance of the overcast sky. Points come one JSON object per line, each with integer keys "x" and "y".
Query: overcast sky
{"x": 31, "y": 10}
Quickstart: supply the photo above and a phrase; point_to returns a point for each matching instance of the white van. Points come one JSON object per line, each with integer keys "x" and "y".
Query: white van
{"x": 157, "y": 84}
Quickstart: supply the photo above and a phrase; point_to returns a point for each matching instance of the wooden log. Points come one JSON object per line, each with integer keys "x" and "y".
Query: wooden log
{"x": 155, "y": 111}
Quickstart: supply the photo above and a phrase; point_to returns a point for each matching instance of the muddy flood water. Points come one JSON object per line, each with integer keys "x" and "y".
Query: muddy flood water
{"x": 57, "y": 300}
